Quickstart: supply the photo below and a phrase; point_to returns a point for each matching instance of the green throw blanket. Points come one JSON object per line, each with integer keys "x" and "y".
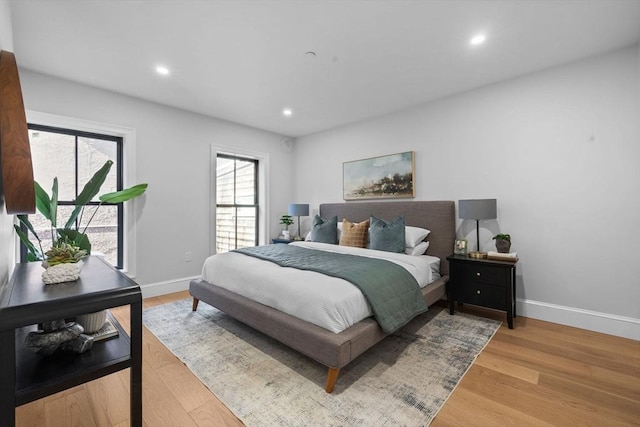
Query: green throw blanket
{"x": 392, "y": 292}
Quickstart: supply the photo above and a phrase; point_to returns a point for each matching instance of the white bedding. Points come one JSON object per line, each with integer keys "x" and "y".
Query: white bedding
{"x": 328, "y": 302}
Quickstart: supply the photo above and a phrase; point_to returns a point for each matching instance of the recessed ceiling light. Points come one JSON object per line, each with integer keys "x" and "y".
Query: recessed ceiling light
{"x": 479, "y": 39}
{"x": 162, "y": 70}
{"x": 287, "y": 112}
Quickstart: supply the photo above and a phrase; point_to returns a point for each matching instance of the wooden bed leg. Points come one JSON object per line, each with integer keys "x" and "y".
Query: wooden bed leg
{"x": 332, "y": 377}
{"x": 195, "y": 304}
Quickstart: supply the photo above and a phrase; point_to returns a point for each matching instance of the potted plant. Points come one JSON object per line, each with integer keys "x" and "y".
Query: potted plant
{"x": 503, "y": 242}
{"x": 286, "y": 220}
{"x": 63, "y": 263}
{"x": 70, "y": 242}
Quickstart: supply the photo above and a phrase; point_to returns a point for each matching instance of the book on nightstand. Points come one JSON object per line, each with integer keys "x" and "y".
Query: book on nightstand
{"x": 107, "y": 331}
{"x": 498, "y": 256}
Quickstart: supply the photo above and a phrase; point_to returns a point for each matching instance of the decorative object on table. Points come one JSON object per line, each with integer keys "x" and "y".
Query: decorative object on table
{"x": 460, "y": 247}
{"x": 71, "y": 232}
{"x": 107, "y": 331}
{"x": 286, "y": 220}
{"x": 477, "y": 209}
{"x": 92, "y": 322}
{"x": 381, "y": 177}
{"x": 503, "y": 242}
{"x": 61, "y": 273}
{"x": 62, "y": 263}
{"x": 58, "y": 335}
{"x": 500, "y": 256}
{"x": 298, "y": 209}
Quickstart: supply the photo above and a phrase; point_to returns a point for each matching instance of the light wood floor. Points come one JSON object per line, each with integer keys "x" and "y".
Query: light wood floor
{"x": 539, "y": 373}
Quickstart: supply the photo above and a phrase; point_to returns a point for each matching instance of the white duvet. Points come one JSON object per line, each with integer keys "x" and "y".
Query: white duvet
{"x": 328, "y": 302}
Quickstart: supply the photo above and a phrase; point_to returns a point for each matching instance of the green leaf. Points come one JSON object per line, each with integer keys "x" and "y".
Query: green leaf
{"x": 32, "y": 257}
{"x": 75, "y": 238}
{"x": 33, "y": 254}
{"x": 24, "y": 219}
{"x": 124, "y": 195}
{"x": 43, "y": 203}
{"x": 89, "y": 191}
{"x": 54, "y": 203}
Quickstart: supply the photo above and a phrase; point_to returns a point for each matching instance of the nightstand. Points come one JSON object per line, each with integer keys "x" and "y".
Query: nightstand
{"x": 483, "y": 282}
{"x": 279, "y": 240}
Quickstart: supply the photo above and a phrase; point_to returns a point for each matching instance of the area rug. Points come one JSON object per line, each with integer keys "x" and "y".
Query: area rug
{"x": 402, "y": 381}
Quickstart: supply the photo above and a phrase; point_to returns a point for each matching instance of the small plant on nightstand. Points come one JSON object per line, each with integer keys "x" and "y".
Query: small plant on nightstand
{"x": 286, "y": 220}
{"x": 503, "y": 243}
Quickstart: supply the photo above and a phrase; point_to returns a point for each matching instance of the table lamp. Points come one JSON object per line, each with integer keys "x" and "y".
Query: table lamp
{"x": 298, "y": 209}
{"x": 477, "y": 209}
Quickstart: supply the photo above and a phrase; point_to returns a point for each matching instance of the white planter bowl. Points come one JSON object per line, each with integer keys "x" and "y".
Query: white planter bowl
{"x": 61, "y": 273}
{"x": 92, "y": 322}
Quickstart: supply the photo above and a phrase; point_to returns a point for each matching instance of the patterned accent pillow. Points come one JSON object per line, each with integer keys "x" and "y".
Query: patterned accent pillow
{"x": 354, "y": 234}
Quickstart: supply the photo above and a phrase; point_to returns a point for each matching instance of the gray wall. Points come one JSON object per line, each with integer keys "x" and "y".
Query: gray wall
{"x": 172, "y": 154}
{"x": 560, "y": 151}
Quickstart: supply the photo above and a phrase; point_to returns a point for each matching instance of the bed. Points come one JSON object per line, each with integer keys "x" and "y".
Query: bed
{"x": 331, "y": 349}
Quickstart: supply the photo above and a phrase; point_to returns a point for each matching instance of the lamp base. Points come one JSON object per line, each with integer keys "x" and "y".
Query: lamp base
{"x": 477, "y": 255}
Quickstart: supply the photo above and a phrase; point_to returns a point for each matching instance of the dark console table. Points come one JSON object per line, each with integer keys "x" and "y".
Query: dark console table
{"x": 27, "y": 376}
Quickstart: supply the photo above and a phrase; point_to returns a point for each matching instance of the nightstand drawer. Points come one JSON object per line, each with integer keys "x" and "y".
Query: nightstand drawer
{"x": 484, "y": 295}
{"x": 483, "y": 274}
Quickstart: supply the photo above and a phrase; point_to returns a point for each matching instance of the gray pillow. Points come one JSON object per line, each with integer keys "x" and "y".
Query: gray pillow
{"x": 387, "y": 235}
{"x": 325, "y": 230}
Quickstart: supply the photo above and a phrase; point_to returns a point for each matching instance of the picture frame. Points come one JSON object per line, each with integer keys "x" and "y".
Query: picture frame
{"x": 382, "y": 177}
{"x": 460, "y": 247}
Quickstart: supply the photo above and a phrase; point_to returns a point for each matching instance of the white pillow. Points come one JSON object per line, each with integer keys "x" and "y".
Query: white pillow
{"x": 414, "y": 235}
{"x": 417, "y": 250}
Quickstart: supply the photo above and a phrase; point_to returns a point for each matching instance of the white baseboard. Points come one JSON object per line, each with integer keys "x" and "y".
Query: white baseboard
{"x": 168, "y": 287}
{"x": 621, "y": 326}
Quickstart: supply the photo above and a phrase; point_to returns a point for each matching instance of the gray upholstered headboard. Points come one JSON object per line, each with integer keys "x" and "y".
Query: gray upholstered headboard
{"x": 437, "y": 216}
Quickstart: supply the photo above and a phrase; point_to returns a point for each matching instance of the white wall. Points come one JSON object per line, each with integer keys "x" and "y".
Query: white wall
{"x": 559, "y": 149}
{"x": 172, "y": 155}
{"x": 7, "y": 255}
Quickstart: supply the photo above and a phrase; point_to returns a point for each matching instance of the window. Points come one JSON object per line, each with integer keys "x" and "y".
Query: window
{"x": 73, "y": 157}
{"x": 236, "y": 202}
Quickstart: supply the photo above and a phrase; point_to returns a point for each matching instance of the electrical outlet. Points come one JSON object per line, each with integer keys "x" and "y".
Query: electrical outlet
{"x": 187, "y": 256}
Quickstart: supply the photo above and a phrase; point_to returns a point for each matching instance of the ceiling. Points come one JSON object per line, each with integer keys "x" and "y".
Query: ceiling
{"x": 245, "y": 61}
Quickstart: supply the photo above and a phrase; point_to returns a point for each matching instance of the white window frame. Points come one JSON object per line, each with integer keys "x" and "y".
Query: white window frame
{"x": 263, "y": 184}
{"x": 128, "y": 136}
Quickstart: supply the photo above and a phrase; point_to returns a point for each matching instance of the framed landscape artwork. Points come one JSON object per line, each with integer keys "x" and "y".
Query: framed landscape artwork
{"x": 381, "y": 177}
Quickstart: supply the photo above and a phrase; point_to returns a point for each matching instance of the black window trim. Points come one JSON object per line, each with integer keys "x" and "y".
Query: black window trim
{"x": 256, "y": 199}
{"x": 119, "y": 140}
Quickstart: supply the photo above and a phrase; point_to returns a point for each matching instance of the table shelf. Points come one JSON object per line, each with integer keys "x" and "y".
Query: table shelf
{"x": 38, "y": 376}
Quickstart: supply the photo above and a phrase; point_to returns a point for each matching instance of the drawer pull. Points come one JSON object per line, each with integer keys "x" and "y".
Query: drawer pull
{"x": 478, "y": 292}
